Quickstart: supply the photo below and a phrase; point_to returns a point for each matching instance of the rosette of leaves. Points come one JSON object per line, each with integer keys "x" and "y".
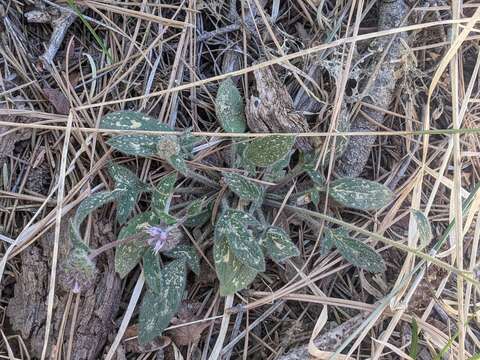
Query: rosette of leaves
{"x": 144, "y": 238}
{"x": 172, "y": 148}
{"x": 161, "y": 236}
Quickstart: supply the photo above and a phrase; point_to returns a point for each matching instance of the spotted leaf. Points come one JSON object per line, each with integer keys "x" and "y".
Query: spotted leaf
{"x": 230, "y": 108}
{"x": 243, "y": 187}
{"x": 233, "y": 225}
{"x": 360, "y": 194}
{"x": 268, "y": 150}
{"x": 279, "y": 245}
{"x": 128, "y": 255}
{"x": 90, "y": 204}
{"x": 233, "y": 274}
{"x": 152, "y": 270}
{"x": 179, "y": 164}
{"x": 187, "y": 253}
{"x": 163, "y": 192}
{"x": 158, "y": 308}
{"x": 423, "y": 227}
{"x": 141, "y": 145}
{"x": 127, "y": 190}
{"x": 356, "y": 252}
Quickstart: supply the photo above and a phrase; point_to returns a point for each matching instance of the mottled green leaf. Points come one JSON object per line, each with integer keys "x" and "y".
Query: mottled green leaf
{"x": 158, "y": 308}
{"x": 243, "y": 187}
{"x": 315, "y": 196}
{"x": 131, "y": 120}
{"x": 195, "y": 207}
{"x": 230, "y": 108}
{"x": 179, "y": 164}
{"x": 163, "y": 193}
{"x": 423, "y": 227}
{"x": 90, "y": 204}
{"x": 152, "y": 270}
{"x": 234, "y": 226}
{"x": 165, "y": 218}
{"x": 187, "y": 253}
{"x": 128, "y": 255}
{"x": 125, "y": 179}
{"x": 360, "y": 194}
{"x": 277, "y": 171}
{"x": 128, "y": 187}
{"x": 356, "y": 252}
{"x": 232, "y": 273}
{"x": 279, "y": 245}
{"x": 136, "y": 145}
{"x": 328, "y": 240}
{"x": 317, "y": 177}
{"x": 268, "y": 150}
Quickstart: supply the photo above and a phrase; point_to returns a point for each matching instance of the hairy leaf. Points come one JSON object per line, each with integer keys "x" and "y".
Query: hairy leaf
{"x": 317, "y": 178}
{"x": 141, "y": 145}
{"x": 78, "y": 271}
{"x": 328, "y": 240}
{"x": 179, "y": 164}
{"x": 163, "y": 193}
{"x": 356, "y": 252}
{"x": 268, "y": 150}
{"x": 423, "y": 227}
{"x": 279, "y": 245}
{"x": 127, "y": 190}
{"x": 187, "y": 253}
{"x": 230, "y": 108}
{"x": 136, "y": 145}
{"x": 152, "y": 270}
{"x": 232, "y": 273}
{"x": 128, "y": 255}
{"x": 90, "y": 204}
{"x": 360, "y": 194}
{"x": 157, "y": 309}
{"x": 243, "y": 187}
{"x": 131, "y": 120}
{"x": 233, "y": 225}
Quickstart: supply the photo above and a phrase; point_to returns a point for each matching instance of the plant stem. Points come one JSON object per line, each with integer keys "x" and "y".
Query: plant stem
{"x": 113, "y": 244}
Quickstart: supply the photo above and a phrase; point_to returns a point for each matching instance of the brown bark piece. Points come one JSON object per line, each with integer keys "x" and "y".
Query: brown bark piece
{"x": 273, "y": 111}
{"x": 380, "y": 94}
{"x": 98, "y": 306}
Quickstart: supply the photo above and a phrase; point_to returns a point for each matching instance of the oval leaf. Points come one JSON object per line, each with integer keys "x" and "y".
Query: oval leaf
{"x": 360, "y": 194}
{"x": 423, "y": 227}
{"x": 232, "y": 225}
{"x": 356, "y": 252}
{"x": 157, "y": 309}
{"x": 268, "y": 150}
{"x": 128, "y": 255}
{"x": 244, "y": 188}
{"x": 131, "y": 120}
{"x": 163, "y": 193}
{"x": 136, "y": 145}
{"x": 152, "y": 270}
{"x": 230, "y": 108}
{"x": 279, "y": 245}
{"x": 187, "y": 253}
{"x": 232, "y": 273}
{"x": 90, "y": 204}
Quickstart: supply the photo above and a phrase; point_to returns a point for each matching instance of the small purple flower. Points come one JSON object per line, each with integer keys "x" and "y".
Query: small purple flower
{"x": 158, "y": 237}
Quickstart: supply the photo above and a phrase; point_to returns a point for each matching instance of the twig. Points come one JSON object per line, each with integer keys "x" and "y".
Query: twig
{"x": 61, "y": 21}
